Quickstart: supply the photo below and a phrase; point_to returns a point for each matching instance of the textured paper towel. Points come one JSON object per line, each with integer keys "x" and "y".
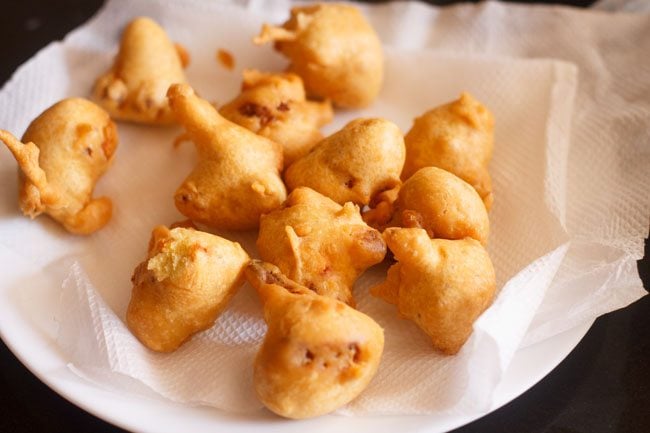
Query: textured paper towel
{"x": 570, "y": 214}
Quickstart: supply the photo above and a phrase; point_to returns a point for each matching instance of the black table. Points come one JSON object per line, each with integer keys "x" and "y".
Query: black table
{"x": 602, "y": 386}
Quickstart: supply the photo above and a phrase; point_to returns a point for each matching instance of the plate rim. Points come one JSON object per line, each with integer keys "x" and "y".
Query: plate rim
{"x": 76, "y": 391}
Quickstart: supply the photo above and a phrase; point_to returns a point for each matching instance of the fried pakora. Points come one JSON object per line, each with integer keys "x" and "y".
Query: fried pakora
{"x": 135, "y": 87}
{"x": 319, "y": 243}
{"x": 442, "y": 285}
{"x": 237, "y": 177}
{"x": 354, "y": 164}
{"x": 457, "y": 137}
{"x": 63, "y": 153}
{"x": 334, "y": 50}
{"x": 443, "y": 204}
{"x": 184, "y": 284}
{"x": 318, "y": 353}
{"x": 274, "y": 106}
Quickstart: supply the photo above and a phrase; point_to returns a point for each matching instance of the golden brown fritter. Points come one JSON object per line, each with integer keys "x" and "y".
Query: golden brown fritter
{"x": 318, "y": 353}
{"x": 442, "y": 285}
{"x": 443, "y": 204}
{"x": 319, "y": 243}
{"x": 274, "y": 106}
{"x": 457, "y": 137}
{"x": 147, "y": 64}
{"x": 354, "y": 164}
{"x": 63, "y": 153}
{"x": 183, "y": 285}
{"x": 334, "y": 50}
{"x": 237, "y": 178}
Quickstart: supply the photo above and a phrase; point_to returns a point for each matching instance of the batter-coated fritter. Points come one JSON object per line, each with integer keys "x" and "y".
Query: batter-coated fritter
{"x": 274, "y": 106}
{"x": 319, "y": 243}
{"x": 443, "y": 204}
{"x": 184, "y": 284}
{"x": 354, "y": 164}
{"x": 442, "y": 285}
{"x": 63, "y": 153}
{"x": 318, "y": 353}
{"x": 147, "y": 64}
{"x": 457, "y": 137}
{"x": 237, "y": 178}
{"x": 335, "y": 51}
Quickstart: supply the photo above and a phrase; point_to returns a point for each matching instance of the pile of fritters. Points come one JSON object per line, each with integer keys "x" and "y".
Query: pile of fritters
{"x": 327, "y": 208}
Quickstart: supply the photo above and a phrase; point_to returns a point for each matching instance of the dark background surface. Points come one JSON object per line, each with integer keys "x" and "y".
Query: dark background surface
{"x": 602, "y": 386}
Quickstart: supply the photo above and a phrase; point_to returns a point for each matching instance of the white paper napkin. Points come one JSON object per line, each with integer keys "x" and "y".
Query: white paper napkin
{"x": 571, "y": 204}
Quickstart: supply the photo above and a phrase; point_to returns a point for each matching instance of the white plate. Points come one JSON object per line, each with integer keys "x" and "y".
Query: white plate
{"x": 26, "y": 316}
